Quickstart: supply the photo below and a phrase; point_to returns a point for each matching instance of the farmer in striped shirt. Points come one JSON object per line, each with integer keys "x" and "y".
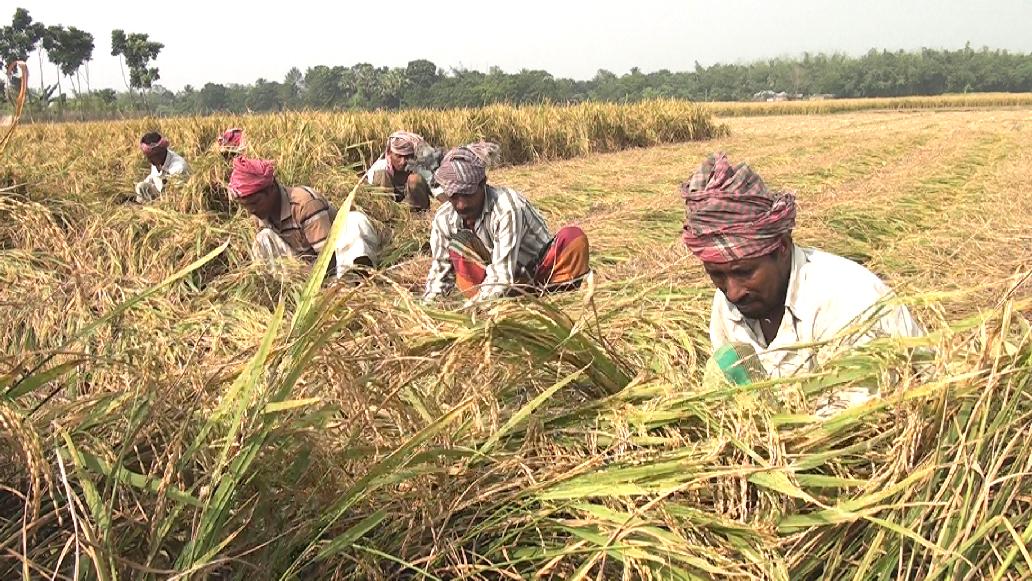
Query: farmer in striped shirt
{"x": 490, "y": 240}
{"x": 295, "y": 222}
{"x": 406, "y": 167}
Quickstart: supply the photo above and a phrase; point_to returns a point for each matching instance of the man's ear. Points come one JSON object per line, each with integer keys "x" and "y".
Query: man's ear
{"x": 785, "y": 244}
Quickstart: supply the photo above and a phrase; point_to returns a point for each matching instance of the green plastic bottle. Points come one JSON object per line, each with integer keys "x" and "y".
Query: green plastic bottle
{"x": 735, "y": 360}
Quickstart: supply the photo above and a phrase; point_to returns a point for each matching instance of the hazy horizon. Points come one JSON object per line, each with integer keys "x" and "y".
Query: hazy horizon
{"x": 222, "y": 43}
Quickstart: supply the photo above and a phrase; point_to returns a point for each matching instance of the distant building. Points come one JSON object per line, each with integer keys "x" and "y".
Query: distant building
{"x": 774, "y": 97}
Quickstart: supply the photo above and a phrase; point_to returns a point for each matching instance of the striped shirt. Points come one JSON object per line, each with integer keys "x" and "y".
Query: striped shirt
{"x": 511, "y": 230}
{"x": 304, "y": 221}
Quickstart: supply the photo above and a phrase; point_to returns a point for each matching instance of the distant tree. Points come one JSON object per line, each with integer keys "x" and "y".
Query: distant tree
{"x": 70, "y": 49}
{"x": 290, "y": 90}
{"x": 52, "y": 37}
{"x": 107, "y": 96}
{"x": 161, "y": 100}
{"x": 323, "y": 88}
{"x": 20, "y": 38}
{"x": 367, "y": 86}
{"x": 419, "y": 78}
{"x": 138, "y": 51}
{"x": 213, "y": 97}
{"x": 264, "y": 96}
{"x": 422, "y": 84}
{"x": 421, "y": 73}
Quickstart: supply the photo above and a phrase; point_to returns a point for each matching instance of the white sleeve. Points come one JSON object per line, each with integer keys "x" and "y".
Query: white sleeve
{"x": 378, "y": 165}
{"x": 178, "y": 167}
{"x": 867, "y": 312}
{"x": 441, "y": 277}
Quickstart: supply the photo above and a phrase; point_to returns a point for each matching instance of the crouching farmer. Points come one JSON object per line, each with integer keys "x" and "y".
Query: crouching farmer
{"x": 774, "y": 298}
{"x": 294, "y": 222}
{"x": 165, "y": 164}
{"x": 406, "y": 168}
{"x": 488, "y": 241}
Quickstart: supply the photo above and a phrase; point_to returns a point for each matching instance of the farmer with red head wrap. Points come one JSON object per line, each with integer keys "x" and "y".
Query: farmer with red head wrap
{"x": 406, "y": 167}
{"x": 231, "y": 143}
{"x": 771, "y": 294}
{"x": 488, "y": 240}
{"x": 295, "y": 222}
{"x": 164, "y": 162}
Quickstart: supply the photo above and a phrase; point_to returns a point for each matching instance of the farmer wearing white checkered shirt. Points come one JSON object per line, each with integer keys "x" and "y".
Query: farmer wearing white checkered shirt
{"x": 488, "y": 240}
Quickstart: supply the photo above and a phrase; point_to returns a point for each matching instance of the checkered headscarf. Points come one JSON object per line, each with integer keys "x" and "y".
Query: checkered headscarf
{"x": 403, "y": 143}
{"x": 464, "y": 168}
{"x": 730, "y": 213}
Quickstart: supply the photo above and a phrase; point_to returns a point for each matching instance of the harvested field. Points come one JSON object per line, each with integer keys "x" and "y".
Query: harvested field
{"x": 167, "y": 409}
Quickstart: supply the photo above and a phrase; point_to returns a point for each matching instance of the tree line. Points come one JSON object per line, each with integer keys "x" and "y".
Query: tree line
{"x": 70, "y": 50}
{"x": 421, "y": 83}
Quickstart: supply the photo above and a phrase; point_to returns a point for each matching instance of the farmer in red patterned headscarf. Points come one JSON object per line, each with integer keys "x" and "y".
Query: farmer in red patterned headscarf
{"x": 773, "y": 296}
{"x": 165, "y": 164}
{"x": 742, "y": 232}
{"x": 231, "y": 143}
{"x": 295, "y": 222}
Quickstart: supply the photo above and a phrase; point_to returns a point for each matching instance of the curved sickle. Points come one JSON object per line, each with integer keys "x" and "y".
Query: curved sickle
{"x": 18, "y": 101}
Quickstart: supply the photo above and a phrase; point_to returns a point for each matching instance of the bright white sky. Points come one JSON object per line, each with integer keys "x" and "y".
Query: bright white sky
{"x": 238, "y": 42}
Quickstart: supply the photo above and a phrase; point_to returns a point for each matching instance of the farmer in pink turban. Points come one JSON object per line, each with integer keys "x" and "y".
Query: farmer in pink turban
{"x": 489, "y": 241}
{"x": 295, "y": 222}
{"x": 406, "y": 168}
{"x": 231, "y": 143}
{"x": 774, "y": 297}
{"x": 164, "y": 163}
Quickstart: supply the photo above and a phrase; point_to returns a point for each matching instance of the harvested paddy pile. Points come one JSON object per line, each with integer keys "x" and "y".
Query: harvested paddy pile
{"x": 167, "y": 409}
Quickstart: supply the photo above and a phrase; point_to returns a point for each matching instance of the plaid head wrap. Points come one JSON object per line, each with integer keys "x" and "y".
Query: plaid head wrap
{"x": 403, "y": 143}
{"x": 149, "y": 148}
{"x": 730, "y": 213}
{"x": 250, "y": 176}
{"x": 232, "y": 141}
{"x": 464, "y": 168}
